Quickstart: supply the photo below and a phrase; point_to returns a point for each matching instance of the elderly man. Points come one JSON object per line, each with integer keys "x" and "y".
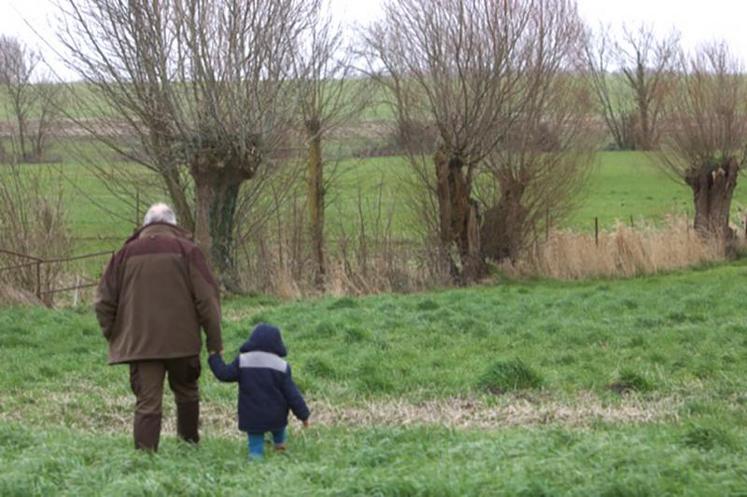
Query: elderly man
{"x": 155, "y": 295}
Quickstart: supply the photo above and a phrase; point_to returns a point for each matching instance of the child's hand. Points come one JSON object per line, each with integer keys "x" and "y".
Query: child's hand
{"x": 305, "y": 423}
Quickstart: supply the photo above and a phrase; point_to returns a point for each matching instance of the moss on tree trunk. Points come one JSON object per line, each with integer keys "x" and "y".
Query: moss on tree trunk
{"x": 217, "y": 192}
{"x": 503, "y": 230}
{"x": 458, "y": 217}
{"x": 713, "y": 187}
{"x": 315, "y": 197}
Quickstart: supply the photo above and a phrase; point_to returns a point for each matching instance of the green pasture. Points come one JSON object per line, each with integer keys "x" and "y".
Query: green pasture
{"x": 630, "y": 184}
{"x": 638, "y": 387}
{"x": 623, "y": 185}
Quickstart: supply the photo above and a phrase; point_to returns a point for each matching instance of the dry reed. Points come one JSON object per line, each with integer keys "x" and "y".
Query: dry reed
{"x": 622, "y": 252}
{"x": 381, "y": 264}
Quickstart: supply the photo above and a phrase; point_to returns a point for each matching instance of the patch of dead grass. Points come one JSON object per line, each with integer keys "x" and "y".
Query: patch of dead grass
{"x": 94, "y": 409}
{"x": 620, "y": 253}
{"x": 470, "y": 413}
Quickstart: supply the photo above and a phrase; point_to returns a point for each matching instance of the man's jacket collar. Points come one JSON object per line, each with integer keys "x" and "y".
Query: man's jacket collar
{"x": 161, "y": 228}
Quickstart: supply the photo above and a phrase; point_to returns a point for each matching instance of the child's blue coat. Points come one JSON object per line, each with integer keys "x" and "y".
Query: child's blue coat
{"x": 266, "y": 388}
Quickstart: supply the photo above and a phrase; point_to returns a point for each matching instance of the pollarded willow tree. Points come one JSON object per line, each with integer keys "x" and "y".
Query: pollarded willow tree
{"x": 546, "y": 155}
{"x": 329, "y": 96}
{"x": 502, "y": 84}
{"x": 706, "y": 141}
{"x": 453, "y": 65}
{"x": 202, "y": 88}
{"x": 632, "y": 77}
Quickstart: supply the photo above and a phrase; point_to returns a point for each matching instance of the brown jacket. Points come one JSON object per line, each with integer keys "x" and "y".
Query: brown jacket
{"x": 154, "y": 296}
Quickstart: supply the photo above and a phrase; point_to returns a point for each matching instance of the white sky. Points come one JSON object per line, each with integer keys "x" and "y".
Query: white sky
{"x": 697, "y": 20}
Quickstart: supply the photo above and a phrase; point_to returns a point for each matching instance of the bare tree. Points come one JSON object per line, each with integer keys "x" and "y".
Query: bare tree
{"x": 17, "y": 63}
{"x": 546, "y": 156}
{"x": 329, "y": 97}
{"x": 33, "y": 222}
{"x": 707, "y": 134}
{"x": 631, "y": 76}
{"x": 32, "y": 101}
{"x": 201, "y": 85}
{"x": 453, "y": 64}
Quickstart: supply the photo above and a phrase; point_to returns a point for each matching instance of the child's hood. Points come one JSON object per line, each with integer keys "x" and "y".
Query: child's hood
{"x": 265, "y": 338}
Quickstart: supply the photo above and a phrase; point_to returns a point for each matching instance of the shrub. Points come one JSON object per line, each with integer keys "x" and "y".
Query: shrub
{"x": 343, "y": 303}
{"x": 372, "y": 377}
{"x": 630, "y": 381}
{"x": 708, "y": 438}
{"x": 354, "y": 334}
{"x": 319, "y": 366}
{"x": 427, "y": 305}
{"x": 325, "y": 328}
{"x": 504, "y": 376}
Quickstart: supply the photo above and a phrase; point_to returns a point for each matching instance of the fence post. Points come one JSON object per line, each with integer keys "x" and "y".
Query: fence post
{"x": 596, "y": 231}
{"x": 76, "y": 292}
{"x": 38, "y": 280}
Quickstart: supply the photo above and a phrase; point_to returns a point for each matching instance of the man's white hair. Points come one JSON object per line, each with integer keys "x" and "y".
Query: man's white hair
{"x": 159, "y": 213}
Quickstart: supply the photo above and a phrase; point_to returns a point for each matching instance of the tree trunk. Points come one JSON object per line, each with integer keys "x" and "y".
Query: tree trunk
{"x": 315, "y": 194}
{"x": 217, "y": 191}
{"x": 458, "y": 217}
{"x": 645, "y": 138}
{"x": 503, "y": 231}
{"x": 24, "y": 155}
{"x": 178, "y": 196}
{"x": 38, "y": 143}
{"x": 713, "y": 187}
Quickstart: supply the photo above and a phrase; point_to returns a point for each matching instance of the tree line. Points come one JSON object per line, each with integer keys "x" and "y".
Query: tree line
{"x": 497, "y": 106}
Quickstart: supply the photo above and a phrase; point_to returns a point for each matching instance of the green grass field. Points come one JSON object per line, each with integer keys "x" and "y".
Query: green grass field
{"x": 626, "y": 388}
{"x": 623, "y": 185}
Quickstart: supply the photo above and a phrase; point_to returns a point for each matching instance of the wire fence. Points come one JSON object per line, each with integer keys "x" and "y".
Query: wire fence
{"x": 35, "y": 269}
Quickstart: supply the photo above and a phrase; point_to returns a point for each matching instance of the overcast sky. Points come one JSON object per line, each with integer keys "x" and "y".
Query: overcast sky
{"x": 697, "y": 20}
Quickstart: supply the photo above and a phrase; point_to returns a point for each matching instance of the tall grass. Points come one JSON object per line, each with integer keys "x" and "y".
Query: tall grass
{"x": 376, "y": 263}
{"x": 620, "y": 252}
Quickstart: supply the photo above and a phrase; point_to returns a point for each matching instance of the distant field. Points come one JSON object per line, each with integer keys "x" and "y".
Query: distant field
{"x": 626, "y": 184}
{"x": 631, "y": 388}
{"x": 623, "y": 185}
{"x": 80, "y": 100}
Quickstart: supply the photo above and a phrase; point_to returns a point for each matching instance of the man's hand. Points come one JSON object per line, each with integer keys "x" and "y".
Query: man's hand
{"x": 213, "y": 352}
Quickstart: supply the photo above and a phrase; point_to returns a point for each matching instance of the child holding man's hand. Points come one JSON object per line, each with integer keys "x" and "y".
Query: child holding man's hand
{"x": 266, "y": 388}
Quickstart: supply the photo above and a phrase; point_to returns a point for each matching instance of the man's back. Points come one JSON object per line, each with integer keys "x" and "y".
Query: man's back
{"x": 155, "y": 295}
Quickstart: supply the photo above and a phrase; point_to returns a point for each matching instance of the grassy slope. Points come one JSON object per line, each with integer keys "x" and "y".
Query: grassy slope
{"x": 682, "y": 339}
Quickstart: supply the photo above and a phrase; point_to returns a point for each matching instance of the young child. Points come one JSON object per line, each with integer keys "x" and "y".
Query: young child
{"x": 266, "y": 389}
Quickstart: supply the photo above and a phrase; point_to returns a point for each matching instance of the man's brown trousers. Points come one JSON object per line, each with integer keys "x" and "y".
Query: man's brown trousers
{"x": 146, "y": 380}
